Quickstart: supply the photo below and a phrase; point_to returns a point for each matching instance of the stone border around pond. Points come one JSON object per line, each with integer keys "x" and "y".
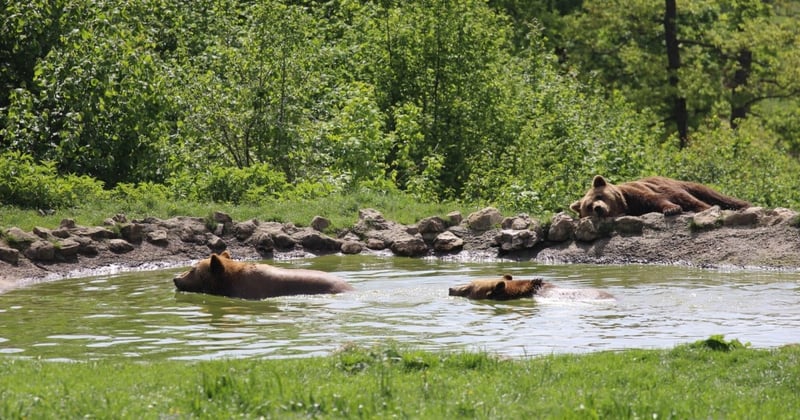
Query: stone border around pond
{"x": 55, "y": 252}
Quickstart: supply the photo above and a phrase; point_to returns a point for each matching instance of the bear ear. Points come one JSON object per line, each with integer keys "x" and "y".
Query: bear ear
{"x": 225, "y": 254}
{"x": 576, "y": 207}
{"x": 217, "y": 265}
{"x": 498, "y": 289}
{"x": 507, "y": 277}
{"x": 599, "y": 181}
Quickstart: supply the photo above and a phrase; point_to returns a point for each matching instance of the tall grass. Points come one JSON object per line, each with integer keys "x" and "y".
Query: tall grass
{"x": 689, "y": 381}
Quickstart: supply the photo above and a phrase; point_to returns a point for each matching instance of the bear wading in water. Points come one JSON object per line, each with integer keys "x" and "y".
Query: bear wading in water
{"x": 222, "y": 276}
{"x": 506, "y": 288}
{"x": 654, "y": 194}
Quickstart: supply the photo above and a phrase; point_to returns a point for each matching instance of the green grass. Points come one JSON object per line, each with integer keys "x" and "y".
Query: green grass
{"x": 700, "y": 380}
{"x": 342, "y": 210}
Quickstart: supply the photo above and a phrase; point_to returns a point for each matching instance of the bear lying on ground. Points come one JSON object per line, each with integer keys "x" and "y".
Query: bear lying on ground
{"x": 220, "y": 275}
{"x": 654, "y": 194}
{"x": 507, "y": 288}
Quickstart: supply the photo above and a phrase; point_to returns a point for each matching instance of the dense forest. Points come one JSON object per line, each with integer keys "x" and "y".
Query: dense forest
{"x": 511, "y": 101}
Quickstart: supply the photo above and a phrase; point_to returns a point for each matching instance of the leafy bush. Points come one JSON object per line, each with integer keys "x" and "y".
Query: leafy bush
{"x": 251, "y": 184}
{"x": 26, "y": 184}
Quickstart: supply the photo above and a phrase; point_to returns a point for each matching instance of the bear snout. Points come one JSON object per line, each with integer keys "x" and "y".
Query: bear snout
{"x": 600, "y": 209}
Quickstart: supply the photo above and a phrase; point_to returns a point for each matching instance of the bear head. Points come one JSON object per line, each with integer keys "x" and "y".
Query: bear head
{"x": 208, "y": 276}
{"x": 498, "y": 289}
{"x": 602, "y": 200}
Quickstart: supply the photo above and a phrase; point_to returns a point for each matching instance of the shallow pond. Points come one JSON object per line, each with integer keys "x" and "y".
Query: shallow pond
{"x": 141, "y": 316}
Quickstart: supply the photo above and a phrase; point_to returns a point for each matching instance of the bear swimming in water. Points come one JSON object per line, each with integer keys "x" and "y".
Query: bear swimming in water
{"x": 220, "y": 275}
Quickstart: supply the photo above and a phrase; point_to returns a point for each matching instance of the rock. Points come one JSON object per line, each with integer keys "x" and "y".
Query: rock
{"x": 132, "y": 232}
{"x": 224, "y": 223}
{"x": 283, "y": 241}
{"x": 370, "y": 219}
{"x": 97, "y": 233}
{"x": 242, "y": 231}
{"x": 317, "y": 241}
{"x": 9, "y": 255}
{"x": 562, "y": 228}
{"x": 739, "y": 218}
{"x": 778, "y": 216}
{"x": 20, "y": 239}
{"x": 707, "y": 219}
{"x": 262, "y": 241}
{"x": 41, "y": 251}
{"x": 157, "y": 237}
{"x": 433, "y": 224}
{"x": 119, "y": 246}
{"x": 41, "y": 232}
{"x": 515, "y": 240}
{"x": 376, "y": 244}
{"x": 409, "y": 246}
{"x": 68, "y": 248}
{"x": 587, "y": 229}
{"x": 320, "y": 223}
{"x": 447, "y": 242}
{"x": 518, "y": 222}
{"x": 216, "y": 244}
{"x": 67, "y": 224}
{"x": 454, "y": 218}
{"x": 629, "y": 225}
{"x": 352, "y": 247}
{"x": 485, "y": 219}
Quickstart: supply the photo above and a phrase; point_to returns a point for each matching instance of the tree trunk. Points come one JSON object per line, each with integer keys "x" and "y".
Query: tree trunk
{"x": 679, "y": 113}
{"x": 740, "y": 103}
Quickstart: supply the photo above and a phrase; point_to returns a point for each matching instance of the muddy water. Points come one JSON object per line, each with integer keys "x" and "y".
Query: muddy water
{"x": 141, "y": 316}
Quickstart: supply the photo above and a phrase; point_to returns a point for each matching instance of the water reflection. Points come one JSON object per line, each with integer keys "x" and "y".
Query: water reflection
{"x": 140, "y": 315}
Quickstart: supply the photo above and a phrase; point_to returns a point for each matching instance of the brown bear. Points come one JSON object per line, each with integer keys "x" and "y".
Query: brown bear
{"x": 654, "y": 194}
{"x": 507, "y": 288}
{"x": 220, "y": 275}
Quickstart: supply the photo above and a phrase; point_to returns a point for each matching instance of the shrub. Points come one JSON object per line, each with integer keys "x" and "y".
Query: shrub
{"x": 27, "y": 184}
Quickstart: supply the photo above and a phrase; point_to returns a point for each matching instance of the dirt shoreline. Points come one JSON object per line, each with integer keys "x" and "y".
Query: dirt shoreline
{"x": 766, "y": 243}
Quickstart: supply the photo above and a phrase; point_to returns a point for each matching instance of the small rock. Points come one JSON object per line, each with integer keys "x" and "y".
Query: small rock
{"x": 119, "y": 246}
{"x": 518, "y": 222}
{"x": 157, "y": 237}
{"x": 410, "y": 246}
{"x": 216, "y": 243}
{"x": 629, "y": 225}
{"x": 132, "y": 232}
{"x": 242, "y": 231}
{"x": 562, "y": 228}
{"x": 454, "y": 218}
{"x": 68, "y": 248}
{"x": 485, "y": 219}
{"x": 67, "y": 224}
{"x": 352, "y": 247}
{"x": 708, "y": 219}
{"x": 41, "y": 251}
{"x": 320, "y": 223}
{"x": 447, "y": 242}
{"x": 9, "y": 255}
{"x": 587, "y": 229}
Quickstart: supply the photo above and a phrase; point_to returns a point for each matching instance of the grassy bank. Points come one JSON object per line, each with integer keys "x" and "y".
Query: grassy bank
{"x": 342, "y": 210}
{"x": 708, "y": 379}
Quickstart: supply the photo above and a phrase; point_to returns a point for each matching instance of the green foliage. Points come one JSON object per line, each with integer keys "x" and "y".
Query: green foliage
{"x": 466, "y": 100}
{"x": 25, "y": 184}
{"x": 251, "y": 184}
{"x": 387, "y": 381}
{"x": 718, "y": 343}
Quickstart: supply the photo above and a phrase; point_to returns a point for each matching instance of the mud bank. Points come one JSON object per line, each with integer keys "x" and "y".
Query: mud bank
{"x": 755, "y": 237}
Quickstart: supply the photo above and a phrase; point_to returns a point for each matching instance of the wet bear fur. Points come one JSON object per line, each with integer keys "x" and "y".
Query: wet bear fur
{"x": 506, "y": 288}
{"x": 222, "y": 276}
{"x": 654, "y": 194}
